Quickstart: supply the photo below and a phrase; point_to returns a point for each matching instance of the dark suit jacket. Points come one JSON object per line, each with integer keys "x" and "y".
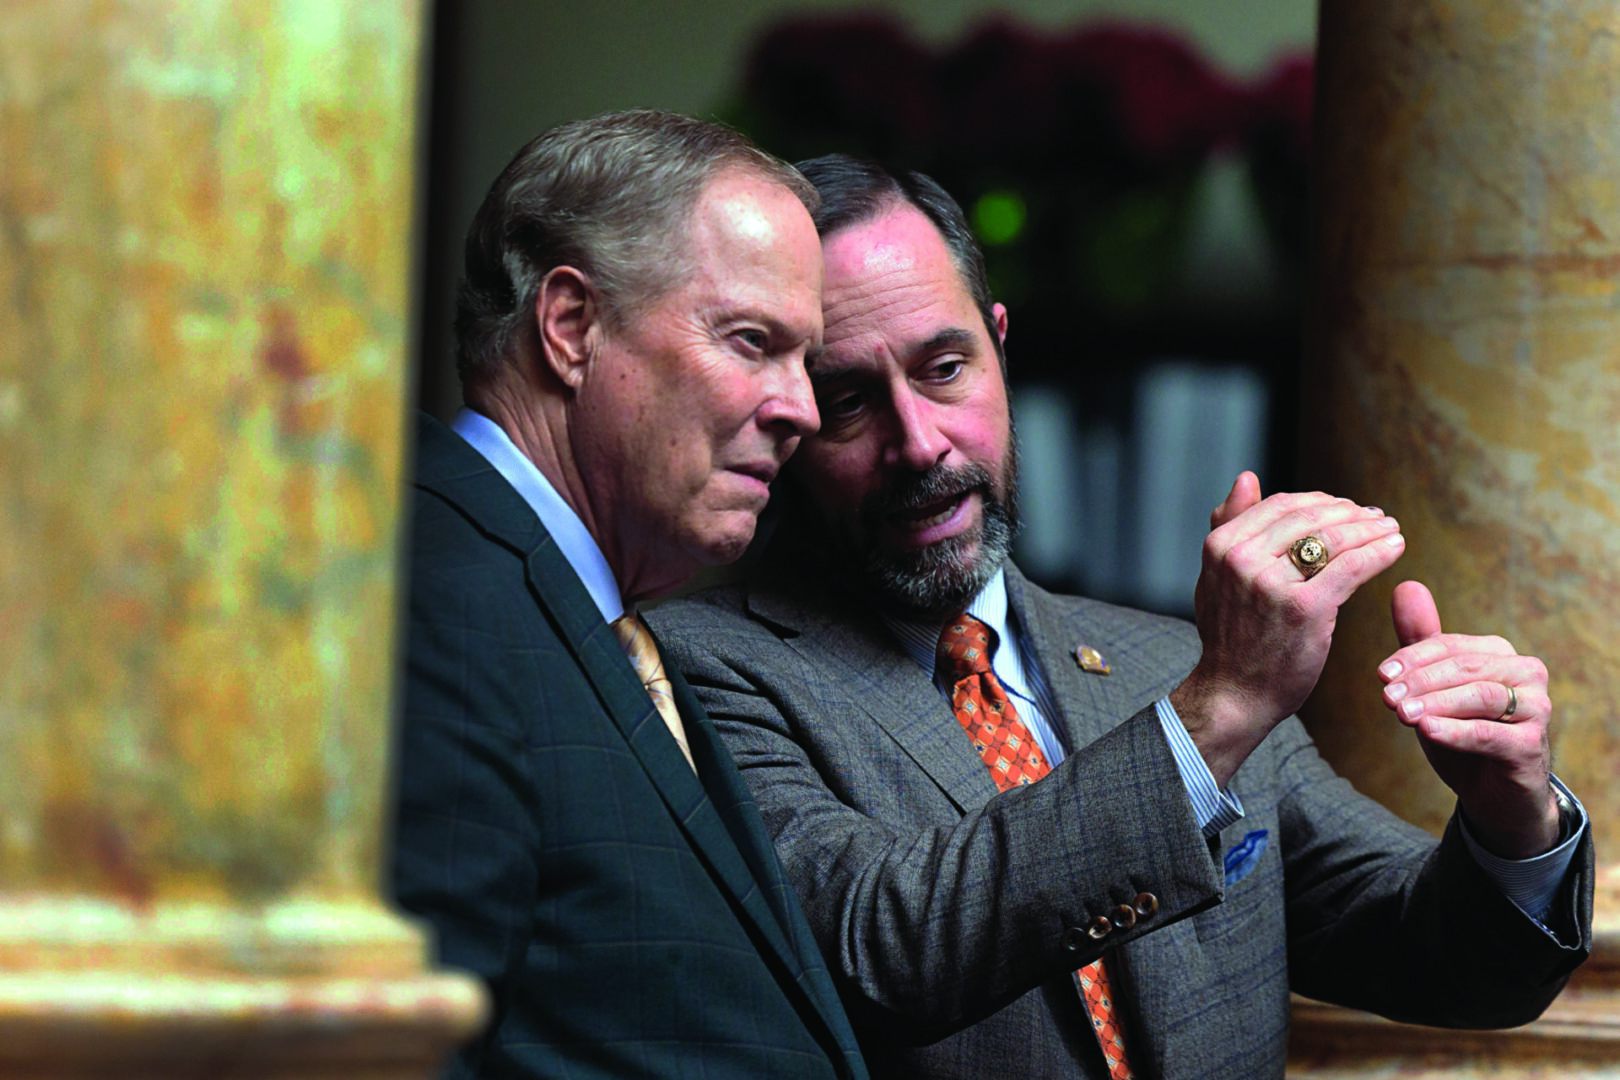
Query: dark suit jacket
{"x": 953, "y": 916}
{"x": 628, "y": 919}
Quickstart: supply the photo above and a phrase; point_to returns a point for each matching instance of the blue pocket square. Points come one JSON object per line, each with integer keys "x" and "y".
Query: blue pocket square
{"x": 1244, "y": 855}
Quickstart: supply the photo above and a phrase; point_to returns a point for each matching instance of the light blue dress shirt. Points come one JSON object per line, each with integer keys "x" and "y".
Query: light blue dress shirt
{"x": 1531, "y": 884}
{"x": 573, "y": 539}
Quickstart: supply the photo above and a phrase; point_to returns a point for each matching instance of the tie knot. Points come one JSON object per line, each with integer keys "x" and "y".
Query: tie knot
{"x": 964, "y": 648}
{"x": 639, "y": 646}
{"x": 642, "y": 650}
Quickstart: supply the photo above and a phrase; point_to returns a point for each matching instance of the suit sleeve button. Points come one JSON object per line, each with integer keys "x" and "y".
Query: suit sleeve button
{"x": 1098, "y": 928}
{"x": 1124, "y": 916}
{"x": 1073, "y": 938}
{"x": 1146, "y": 904}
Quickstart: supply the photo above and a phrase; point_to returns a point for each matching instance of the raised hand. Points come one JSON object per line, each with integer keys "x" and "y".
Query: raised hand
{"x": 1456, "y": 691}
{"x": 1265, "y": 626}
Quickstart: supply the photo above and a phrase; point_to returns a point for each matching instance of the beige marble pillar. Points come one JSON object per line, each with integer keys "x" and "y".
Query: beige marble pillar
{"x": 1463, "y": 372}
{"x": 205, "y": 216}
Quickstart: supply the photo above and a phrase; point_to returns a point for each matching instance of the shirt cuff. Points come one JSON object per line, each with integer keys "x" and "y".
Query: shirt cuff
{"x": 1213, "y": 808}
{"x": 1532, "y": 884}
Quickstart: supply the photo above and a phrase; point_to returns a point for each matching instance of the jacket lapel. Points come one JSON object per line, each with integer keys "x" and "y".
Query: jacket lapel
{"x": 1086, "y": 703}
{"x": 758, "y": 873}
{"x": 771, "y": 904}
{"x": 878, "y": 678}
{"x": 737, "y": 859}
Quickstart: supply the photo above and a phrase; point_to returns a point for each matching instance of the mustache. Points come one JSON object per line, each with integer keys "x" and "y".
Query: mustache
{"x": 918, "y": 490}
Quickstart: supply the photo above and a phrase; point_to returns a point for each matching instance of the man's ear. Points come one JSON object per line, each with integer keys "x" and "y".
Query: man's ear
{"x": 568, "y": 313}
{"x": 999, "y": 311}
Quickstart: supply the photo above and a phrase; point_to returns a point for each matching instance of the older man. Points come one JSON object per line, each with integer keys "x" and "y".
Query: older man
{"x": 1041, "y": 836}
{"x": 641, "y": 293}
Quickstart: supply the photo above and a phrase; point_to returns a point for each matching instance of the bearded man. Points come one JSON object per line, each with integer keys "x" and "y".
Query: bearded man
{"x": 1041, "y": 836}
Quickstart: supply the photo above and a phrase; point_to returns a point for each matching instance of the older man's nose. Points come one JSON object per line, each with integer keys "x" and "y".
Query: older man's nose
{"x": 791, "y": 405}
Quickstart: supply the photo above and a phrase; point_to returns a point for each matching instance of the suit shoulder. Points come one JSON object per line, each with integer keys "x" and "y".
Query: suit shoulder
{"x": 694, "y": 622}
{"x": 1133, "y": 618}
{"x": 444, "y": 537}
{"x": 458, "y": 570}
{"x": 1123, "y": 625}
{"x": 716, "y": 601}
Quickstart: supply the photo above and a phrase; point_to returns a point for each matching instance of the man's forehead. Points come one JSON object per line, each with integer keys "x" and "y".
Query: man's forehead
{"x": 743, "y": 216}
{"x": 898, "y": 240}
{"x": 745, "y": 205}
{"x": 751, "y": 251}
{"x": 881, "y": 256}
{"x": 892, "y": 279}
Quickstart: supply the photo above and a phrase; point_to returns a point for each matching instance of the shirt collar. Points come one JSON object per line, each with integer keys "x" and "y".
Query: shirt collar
{"x": 573, "y": 539}
{"x": 920, "y": 639}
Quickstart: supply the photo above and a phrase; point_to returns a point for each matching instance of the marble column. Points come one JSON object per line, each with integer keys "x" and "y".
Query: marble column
{"x": 1463, "y": 372}
{"x": 206, "y": 209}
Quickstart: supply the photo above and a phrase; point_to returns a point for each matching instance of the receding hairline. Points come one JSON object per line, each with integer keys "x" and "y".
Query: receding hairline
{"x": 890, "y": 204}
{"x": 680, "y": 231}
{"x": 610, "y": 196}
{"x": 887, "y": 203}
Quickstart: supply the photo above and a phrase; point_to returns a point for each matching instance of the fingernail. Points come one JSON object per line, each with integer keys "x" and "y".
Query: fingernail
{"x": 1372, "y": 511}
{"x": 1413, "y": 709}
{"x": 1396, "y": 691}
{"x": 1390, "y": 669}
{"x": 1389, "y": 523}
{"x": 1395, "y": 540}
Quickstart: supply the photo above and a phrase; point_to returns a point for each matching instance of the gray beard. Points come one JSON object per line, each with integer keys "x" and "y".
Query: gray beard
{"x": 939, "y": 580}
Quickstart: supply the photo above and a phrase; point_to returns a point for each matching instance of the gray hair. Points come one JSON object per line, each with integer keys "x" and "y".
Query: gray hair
{"x": 610, "y": 196}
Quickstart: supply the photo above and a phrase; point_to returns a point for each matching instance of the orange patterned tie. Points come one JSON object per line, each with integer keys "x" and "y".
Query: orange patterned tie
{"x": 1009, "y": 752}
{"x": 642, "y": 650}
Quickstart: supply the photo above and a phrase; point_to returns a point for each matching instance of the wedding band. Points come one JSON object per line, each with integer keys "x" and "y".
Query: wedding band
{"x": 1513, "y": 703}
{"x": 1308, "y": 555}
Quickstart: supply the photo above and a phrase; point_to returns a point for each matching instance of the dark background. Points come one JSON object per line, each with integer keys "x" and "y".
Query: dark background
{"x": 1136, "y": 171}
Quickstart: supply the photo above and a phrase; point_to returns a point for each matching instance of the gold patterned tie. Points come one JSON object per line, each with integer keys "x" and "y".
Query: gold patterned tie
{"x": 1007, "y": 749}
{"x": 642, "y": 650}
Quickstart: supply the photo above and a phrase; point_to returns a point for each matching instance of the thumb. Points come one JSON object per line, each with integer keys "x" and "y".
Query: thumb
{"x": 1244, "y": 494}
{"x": 1416, "y": 617}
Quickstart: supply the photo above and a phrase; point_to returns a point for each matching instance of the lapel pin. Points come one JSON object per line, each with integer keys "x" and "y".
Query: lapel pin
{"x": 1091, "y": 660}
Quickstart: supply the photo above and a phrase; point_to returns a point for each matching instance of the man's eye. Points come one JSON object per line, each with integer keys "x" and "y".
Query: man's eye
{"x": 947, "y": 369}
{"x": 840, "y": 406}
{"x": 757, "y": 340}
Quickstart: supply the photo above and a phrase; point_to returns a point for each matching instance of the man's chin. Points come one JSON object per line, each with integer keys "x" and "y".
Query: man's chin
{"x": 961, "y": 550}
{"x": 937, "y": 580}
{"x": 726, "y": 546}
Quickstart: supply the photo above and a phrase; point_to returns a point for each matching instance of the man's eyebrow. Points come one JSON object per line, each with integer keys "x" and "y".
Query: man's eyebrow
{"x": 820, "y": 373}
{"x": 952, "y": 338}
